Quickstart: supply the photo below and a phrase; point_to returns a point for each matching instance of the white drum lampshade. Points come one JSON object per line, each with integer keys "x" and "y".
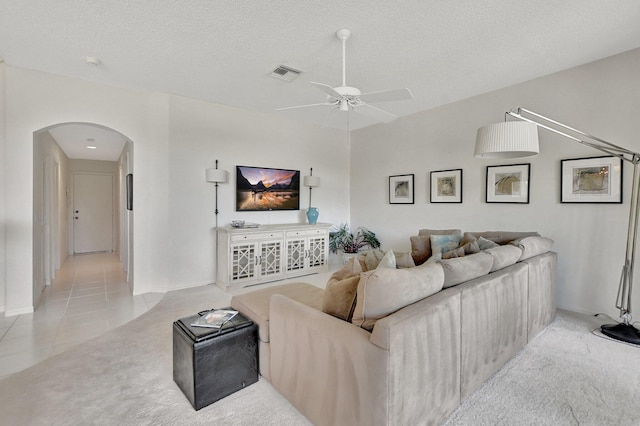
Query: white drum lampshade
{"x": 507, "y": 140}
{"x": 217, "y": 175}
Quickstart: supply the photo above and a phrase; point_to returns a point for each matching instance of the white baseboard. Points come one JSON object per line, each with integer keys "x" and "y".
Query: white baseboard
{"x": 19, "y": 311}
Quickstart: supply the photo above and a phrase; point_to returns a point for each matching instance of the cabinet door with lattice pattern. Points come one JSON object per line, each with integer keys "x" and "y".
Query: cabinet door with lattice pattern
{"x": 243, "y": 261}
{"x": 295, "y": 254}
{"x": 271, "y": 258}
{"x": 317, "y": 252}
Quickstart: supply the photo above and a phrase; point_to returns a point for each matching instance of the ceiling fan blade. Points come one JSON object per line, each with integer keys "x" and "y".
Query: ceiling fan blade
{"x": 327, "y": 89}
{"x": 387, "y": 95}
{"x": 375, "y": 113}
{"x": 306, "y": 106}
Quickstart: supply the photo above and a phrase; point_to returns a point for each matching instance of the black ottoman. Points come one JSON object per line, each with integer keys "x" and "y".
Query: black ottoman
{"x": 211, "y": 363}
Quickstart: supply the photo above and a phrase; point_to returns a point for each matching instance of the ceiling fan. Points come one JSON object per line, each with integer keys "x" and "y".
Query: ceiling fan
{"x": 346, "y": 98}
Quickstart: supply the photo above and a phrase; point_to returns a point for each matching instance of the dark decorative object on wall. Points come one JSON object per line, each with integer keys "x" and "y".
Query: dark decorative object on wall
{"x": 591, "y": 180}
{"x": 129, "y": 185}
{"x": 508, "y": 184}
{"x": 401, "y": 189}
{"x": 263, "y": 188}
{"x": 446, "y": 186}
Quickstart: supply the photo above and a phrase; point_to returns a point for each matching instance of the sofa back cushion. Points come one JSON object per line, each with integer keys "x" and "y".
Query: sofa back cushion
{"x": 504, "y": 256}
{"x": 461, "y": 269}
{"x": 384, "y": 291}
{"x": 533, "y": 246}
{"x": 504, "y": 237}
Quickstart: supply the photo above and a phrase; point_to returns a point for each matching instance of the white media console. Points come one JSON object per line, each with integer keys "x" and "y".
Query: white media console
{"x": 249, "y": 256}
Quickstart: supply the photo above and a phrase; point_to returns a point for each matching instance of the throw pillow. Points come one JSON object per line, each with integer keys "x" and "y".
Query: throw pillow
{"x": 484, "y": 244}
{"x": 444, "y": 243}
{"x": 404, "y": 260}
{"x": 372, "y": 258}
{"x": 421, "y": 243}
{"x": 388, "y": 261}
{"x": 458, "y": 252}
{"x": 341, "y": 289}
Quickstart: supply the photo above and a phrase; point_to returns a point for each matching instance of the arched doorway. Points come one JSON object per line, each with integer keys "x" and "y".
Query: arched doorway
{"x": 64, "y": 155}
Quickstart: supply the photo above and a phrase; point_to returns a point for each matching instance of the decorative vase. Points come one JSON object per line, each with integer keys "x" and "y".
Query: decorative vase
{"x": 312, "y": 215}
{"x": 347, "y": 256}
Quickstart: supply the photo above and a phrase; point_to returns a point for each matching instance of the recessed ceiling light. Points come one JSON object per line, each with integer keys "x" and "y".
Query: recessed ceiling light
{"x": 91, "y": 147}
{"x": 92, "y": 60}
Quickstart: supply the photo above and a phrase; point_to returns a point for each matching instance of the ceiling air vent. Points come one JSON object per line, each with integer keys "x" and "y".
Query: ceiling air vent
{"x": 285, "y": 73}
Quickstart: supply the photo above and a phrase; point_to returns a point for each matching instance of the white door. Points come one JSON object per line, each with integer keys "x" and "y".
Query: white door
{"x": 92, "y": 213}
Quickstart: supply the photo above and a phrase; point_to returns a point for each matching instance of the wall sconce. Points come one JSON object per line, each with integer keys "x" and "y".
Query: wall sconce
{"x": 217, "y": 176}
{"x": 312, "y": 182}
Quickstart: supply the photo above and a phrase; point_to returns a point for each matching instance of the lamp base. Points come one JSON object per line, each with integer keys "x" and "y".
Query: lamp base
{"x": 312, "y": 215}
{"x": 625, "y": 332}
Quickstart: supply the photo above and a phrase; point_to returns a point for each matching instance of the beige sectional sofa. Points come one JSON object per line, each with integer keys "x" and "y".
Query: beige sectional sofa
{"x": 419, "y": 339}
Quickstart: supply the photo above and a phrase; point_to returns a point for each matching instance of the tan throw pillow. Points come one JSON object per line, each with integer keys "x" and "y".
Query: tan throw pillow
{"x": 341, "y": 289}
{"x": 404, "y": 260}
{"x": 384, "y": 291}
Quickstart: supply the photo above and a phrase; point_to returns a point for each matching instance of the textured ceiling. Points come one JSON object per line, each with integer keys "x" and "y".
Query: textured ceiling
{"x": 223, "y": 51}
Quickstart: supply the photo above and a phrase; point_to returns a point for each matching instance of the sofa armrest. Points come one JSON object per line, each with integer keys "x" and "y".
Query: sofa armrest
{"x": 327, "y": 368}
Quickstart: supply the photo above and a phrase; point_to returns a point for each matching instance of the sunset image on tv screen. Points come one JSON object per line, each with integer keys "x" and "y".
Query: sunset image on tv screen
{"x": 262, "y": 188}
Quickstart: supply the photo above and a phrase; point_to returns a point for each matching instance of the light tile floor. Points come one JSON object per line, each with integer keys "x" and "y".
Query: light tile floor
{"x": 89, "y": 296}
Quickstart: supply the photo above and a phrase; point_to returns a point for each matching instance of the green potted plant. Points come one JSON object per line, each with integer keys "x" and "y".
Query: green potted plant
{"x": 341, "y": 239}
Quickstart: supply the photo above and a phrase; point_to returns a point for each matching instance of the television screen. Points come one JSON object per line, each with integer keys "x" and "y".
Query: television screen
{"x": 263, "y": 188}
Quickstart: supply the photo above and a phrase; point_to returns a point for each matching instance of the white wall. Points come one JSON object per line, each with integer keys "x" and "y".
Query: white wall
{"x": 601, "y": 98}
{"x": 175, "y": 140}
{"x": 3, "y": 218}
{"x": 202, "y": 132}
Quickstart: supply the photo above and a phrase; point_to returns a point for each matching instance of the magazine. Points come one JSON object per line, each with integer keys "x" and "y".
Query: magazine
{"x": 214, "y": 319}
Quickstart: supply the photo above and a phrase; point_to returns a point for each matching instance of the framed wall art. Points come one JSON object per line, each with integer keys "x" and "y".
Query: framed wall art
{"x": 401, "y": 189}
{"x": 591, "y": 180}
{"x": 508, "y": 184}
{"x": 446, "y": 186}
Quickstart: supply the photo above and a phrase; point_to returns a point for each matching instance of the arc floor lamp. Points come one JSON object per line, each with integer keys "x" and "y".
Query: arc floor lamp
{"x": 520, "y": 139}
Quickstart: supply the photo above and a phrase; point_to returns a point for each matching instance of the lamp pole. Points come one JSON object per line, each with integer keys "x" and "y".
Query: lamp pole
{"x": 625, "y": 330}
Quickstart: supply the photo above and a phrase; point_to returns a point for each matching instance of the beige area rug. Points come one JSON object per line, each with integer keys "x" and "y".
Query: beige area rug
{"x": 566, "y": 376}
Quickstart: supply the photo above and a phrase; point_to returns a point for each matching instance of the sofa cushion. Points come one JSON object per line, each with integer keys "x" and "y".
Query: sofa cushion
{"x": 504, "y": 256}
{"x": 533, "y": 246}
{"x": 421, "y": 243}
{"x": 372, "y": 258}
{"x": 466, "y": 268}
{"x": 384, "y": 291}
{"x": 504, "y": 237}
{"x": 255, "y": 304}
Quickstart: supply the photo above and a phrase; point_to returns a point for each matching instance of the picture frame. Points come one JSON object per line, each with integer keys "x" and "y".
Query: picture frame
{"x": 446, "y": 186}
{"x": 508, "y": 183}
{"x": 129, "y": 187}
{"x": 401, "y": 189}
{"x": 591, "y": 180}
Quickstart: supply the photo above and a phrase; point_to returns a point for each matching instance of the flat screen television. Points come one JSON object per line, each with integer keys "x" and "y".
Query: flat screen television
{"x": 264, "y": 188}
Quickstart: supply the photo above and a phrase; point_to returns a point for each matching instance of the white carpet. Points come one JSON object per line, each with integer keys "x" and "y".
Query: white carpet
{"x": 566, "y": 376}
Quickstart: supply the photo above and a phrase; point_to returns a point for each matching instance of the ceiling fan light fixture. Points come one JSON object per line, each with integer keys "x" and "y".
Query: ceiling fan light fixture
{"x": 344, "y": 105}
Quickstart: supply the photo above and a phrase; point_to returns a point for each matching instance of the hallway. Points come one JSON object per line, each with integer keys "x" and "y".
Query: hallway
{"x": 88, "y": 297}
